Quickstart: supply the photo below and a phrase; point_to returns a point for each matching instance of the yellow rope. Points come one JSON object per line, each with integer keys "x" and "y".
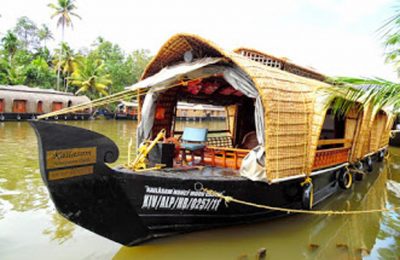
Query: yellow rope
{"x": 229, "y": 199}
{"x": 90, "y": 104}
{"x": 307, "y": 180}
{"x": 354, "y": 170}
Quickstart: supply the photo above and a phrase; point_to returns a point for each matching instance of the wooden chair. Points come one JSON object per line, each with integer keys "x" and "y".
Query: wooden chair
{"x": 194, "y": 142}
{"x": 249, "y": 141}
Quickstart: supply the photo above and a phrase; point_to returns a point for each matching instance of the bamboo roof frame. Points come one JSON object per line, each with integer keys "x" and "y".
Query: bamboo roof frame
{"x": 293, "y": 115}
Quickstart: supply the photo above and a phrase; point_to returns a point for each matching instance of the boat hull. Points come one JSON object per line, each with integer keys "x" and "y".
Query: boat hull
{"x": 31, "y": 116}
{"x": 131, "y": 208}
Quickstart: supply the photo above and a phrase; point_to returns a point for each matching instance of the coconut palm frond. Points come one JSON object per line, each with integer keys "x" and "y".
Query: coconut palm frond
{"x": 360, "y": 92}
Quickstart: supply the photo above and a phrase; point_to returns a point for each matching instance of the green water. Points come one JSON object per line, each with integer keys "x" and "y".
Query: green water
{"x": 30, "y": 228}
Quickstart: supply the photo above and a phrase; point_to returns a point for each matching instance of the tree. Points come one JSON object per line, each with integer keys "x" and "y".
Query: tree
{"x": 66, "y": 60}
{"x": 376, "y": 92}
{"x": 26, "y": 31}
{"x": 139, "y": 60}
{"x": 15, "y": 75}
{"x": 10, "y": 44}
{"x": 124, "y": 69}
{"x": 39, "y": 74}
{"x": 45, "y": 34}
{"x": 90, "y": 77}
{"x": 63, "y": 10}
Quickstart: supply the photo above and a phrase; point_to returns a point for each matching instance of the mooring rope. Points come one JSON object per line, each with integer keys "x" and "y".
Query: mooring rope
{"x": 91, "y": 104}
{"x": 229, "y": 199}
{"x": 113, "y": 98}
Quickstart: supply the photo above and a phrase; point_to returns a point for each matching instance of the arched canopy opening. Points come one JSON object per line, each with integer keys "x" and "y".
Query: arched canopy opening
{"x": 377, "y": 129}
{"x": 283, "y": 103}
{"x": 336, "y": 136}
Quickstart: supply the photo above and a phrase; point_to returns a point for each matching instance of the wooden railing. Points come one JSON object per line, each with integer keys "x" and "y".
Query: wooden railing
{"x": 219, "y": 138}
{"x": 332, "y": 156}
{"x": 225, "y": 157}
{"x": 344, "y": 142}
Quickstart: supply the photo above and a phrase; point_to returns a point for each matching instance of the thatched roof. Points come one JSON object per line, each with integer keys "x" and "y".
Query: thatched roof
{"x": 282, "y": 63}
{"x": 293, "y": 110}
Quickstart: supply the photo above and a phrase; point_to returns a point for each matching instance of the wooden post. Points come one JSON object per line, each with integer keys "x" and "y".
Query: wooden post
{"x": 139, "y": 110}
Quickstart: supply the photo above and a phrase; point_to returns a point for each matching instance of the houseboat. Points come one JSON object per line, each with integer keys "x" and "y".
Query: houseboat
{"x": 283, "y": 147}
{"x": 184, "y": 112}
{"x": 22, "y": 103}
{"x": 126, "y": 111}
{"x": 199, "y": 112}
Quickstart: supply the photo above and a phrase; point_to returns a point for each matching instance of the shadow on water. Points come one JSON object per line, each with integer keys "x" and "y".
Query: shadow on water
{"x": 31, "y": 228}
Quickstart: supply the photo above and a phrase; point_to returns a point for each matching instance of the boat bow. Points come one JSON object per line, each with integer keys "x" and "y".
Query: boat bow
{"x": 81, "y": 185}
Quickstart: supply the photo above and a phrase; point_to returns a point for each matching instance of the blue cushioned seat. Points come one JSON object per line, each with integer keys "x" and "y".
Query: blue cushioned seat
{"x": 193, "y": 140}
{"x": 192, "y": 147}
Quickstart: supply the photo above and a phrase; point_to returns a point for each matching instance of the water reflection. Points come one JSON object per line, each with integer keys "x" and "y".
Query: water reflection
{"x": 60, "y": 230}
{"x": 19, "y": 182}
{"x": 313, "y": 237}
{"x": 31, "y": 227}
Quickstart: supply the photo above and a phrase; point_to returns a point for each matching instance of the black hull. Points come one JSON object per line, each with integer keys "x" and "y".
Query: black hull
{"x": 131, "y": 208}
{"x": 30, "y": 116}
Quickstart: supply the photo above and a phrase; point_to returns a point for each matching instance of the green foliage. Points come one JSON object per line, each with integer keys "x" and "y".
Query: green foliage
{"x": 361, "y": 92}
{"x": 39, "y": 74}
{"x": 66, "y": 60}
{"x": 123, "y": 69}
{"x": 374, "y": 92}
{"x": 64, "y": 9}
{"x": 44, "y": 34}
{"x": 10, "y": 44}
{"x": 102, "y": 69}
{"x": 390, "y": 31}
{"x": 90, "y": 77}
{"x": 27, "y": 33}
{"x": 15, "y": 75}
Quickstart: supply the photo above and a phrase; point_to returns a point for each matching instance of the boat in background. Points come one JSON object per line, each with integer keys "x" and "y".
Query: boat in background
{"x": 199, "y": 112}
{"x": 22, "y": 103}
{"x": 395, "y": 138}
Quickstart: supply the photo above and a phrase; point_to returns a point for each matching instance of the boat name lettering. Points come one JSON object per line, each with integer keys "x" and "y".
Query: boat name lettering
{"x": 179, "y": 199}
{"x": 166, "y": 191}
{"x": 70, "y": 157}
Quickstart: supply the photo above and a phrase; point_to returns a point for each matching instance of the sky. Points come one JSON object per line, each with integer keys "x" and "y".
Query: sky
{"x": 335, "y": 37}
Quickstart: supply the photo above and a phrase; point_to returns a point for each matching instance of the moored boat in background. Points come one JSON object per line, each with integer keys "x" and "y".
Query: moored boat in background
{"x": 22, "y": 103}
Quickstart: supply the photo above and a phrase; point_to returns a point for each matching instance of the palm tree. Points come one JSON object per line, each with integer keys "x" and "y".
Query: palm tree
{"x": 90, "y": 77}
{"x": 45, "y": 34}
{"x": 375, "y": 92}
{"x": 63, "y": 10}
{"x": 67, "y": 61}
{"x": 10, "y": 44}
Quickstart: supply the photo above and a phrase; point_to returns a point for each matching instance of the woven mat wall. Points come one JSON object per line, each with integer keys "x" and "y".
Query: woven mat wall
{"x": 293, "y": 120}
